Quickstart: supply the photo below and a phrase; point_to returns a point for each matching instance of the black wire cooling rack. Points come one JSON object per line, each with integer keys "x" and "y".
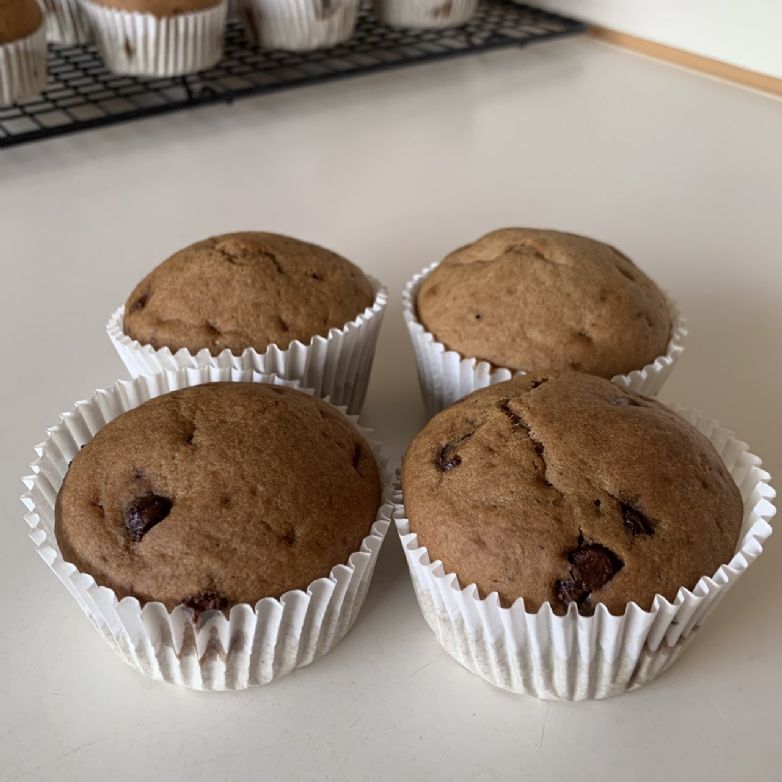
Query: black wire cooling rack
{"x": 82, "y": 94}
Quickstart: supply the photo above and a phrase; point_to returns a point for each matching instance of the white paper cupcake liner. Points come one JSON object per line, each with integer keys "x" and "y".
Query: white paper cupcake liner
{"x": 66, "y": 22}
{"x": 256, "y": 644}
{"x": 337, "y": 366}
{"x": 445, "y": 376}
{"x": 425, "y": 13}
{"x": 145, "y": 45}
{"x": 576, "y": 657}
{"x": 23, "y": 67}
{"x": 299, "y": 25}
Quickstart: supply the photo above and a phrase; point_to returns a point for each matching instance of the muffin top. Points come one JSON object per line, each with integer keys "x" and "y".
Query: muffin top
{"x": 159, "y": 8}
{"x": 18, "y": 19}
{"x": 529, "y": 299}
{"x": 218, "y": 494}
{"x": 245, "y": 290}
{"x": 562, "y": 487}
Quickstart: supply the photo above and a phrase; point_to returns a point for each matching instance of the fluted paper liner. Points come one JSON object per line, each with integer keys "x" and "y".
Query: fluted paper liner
{"x": 336, "y": 366}
{"x": 425, "y": 13}
{"x": 66, "y": 22}
{"x": 23, "y": 67}
{"x": 299, "y": 25}
{"x": 446, "y": 376}
{"x": 255, "y": 644}
{"x": 576, "y": 657}
{"x": 139, "y": 44}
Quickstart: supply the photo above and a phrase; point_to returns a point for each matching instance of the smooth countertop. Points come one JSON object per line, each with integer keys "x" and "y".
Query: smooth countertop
{"x": 394, "y": 170}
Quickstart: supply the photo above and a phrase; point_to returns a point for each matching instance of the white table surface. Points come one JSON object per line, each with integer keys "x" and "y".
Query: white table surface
{"x": 683, "y": 173}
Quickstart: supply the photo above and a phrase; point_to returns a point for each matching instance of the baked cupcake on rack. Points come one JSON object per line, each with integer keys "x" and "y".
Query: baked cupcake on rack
{"x": 22, "y": 50}
{"x": 425, "y": 13}
{"x": 66, "y": 22}
{"x": 299, "y": 25}
{"x": 158, "y": 37}
{"x": 256, "y": 300}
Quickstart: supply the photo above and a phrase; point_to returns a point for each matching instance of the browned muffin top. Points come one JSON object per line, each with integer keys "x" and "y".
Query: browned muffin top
{"x": 562, "y": 487}
{"x": 245, "y": 290}
{"x": 530, "y": 299}
{"x": 159, "y": 8}
{"x": 218, "y": 494}
{"x": 18, "y": 19}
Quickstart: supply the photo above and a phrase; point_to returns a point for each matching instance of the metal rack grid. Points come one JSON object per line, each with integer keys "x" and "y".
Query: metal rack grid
{"x": 82, "y": 94}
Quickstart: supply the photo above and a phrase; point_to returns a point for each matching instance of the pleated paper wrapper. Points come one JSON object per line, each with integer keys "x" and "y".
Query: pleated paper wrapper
{"x": 145, "y": 45}
{"x": 446, "y": 376}
{"x": 336, "y": 366}
{"x": 255, "y": 644}
{"x": 66, "y": 22}
{"x": 23, "y": 67}
{"x": 425, "y": 13}
{"x": 576, "y": 657}
{"x": 299, "y": 25}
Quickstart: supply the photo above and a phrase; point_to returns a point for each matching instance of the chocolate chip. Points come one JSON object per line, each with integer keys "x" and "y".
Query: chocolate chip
{"x": 635, "y": 521}
{"x": 447, "y": 458}
{"x": 597, "y": 503}
{"x": 140, "y": 303}
{"x": 289, "y": 536}
{"x": 478, "y": 316}
{"x": 144, "y": 513}
{"x": 356, "y": 456}
{"x": 317, "y": 277}
{"x": 593, "y": 566}
{"x": 205, "y": 601}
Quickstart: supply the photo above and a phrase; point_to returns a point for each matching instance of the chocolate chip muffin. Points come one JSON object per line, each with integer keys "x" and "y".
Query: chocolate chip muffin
{"x": 527, "y": 299}
{"x": 18, "y": 19}
{"x": 159, "y": 8}
{"x": 245, "y": 290}
{"x": 563, "y": 488}
{"x": 218, "y": 494}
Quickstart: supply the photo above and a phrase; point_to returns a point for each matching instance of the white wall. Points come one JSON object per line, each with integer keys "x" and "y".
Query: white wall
{"x": 747, "y": 33}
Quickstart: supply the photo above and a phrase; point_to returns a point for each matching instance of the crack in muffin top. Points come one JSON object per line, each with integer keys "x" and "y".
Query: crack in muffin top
{"x": 218, "y": 494}
{"x": 562, "y": 487}
{"x": 244, "y": 290}
{"x": 528, "y": 299}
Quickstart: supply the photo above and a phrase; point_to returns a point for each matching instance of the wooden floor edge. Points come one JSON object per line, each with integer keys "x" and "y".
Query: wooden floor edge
{"x": 695, "y": 62}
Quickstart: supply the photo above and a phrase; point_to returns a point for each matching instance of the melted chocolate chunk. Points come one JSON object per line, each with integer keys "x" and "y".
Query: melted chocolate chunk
{"x": 144, "y": 513}
{"x": 593, "y": 566}
{"x": 635, "y": 521}
{"x": 447, "y": 458}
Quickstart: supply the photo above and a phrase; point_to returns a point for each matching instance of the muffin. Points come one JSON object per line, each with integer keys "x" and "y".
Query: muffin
{"x": 299, "y": 25}
{"x": 521, "y": 299}
{"x": 256, "y": 299}
{"x": 223, "y": 533}
{"x": 66, "y": 22}
{"x": 22, "y": 50}
{"x": 425, "y": 13}
{"x": 217, "y": 495}
{"x": 157, "y": 37}
{"x": 561, "y": 496}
